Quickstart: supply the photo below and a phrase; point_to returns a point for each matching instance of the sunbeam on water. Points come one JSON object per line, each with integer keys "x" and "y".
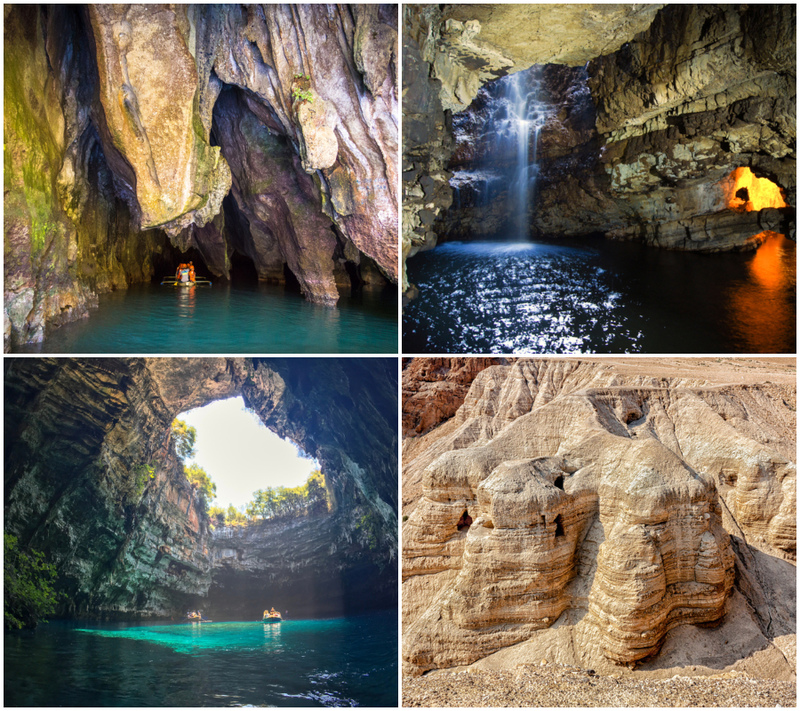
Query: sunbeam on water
{"x": 595, "y": 296}
{"x": 336, "y": 662}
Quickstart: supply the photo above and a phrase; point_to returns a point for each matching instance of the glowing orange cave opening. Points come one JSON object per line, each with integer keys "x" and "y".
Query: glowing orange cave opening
{"x": 751, "y": 193}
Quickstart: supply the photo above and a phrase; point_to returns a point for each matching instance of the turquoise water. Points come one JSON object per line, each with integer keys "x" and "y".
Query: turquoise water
{"x": 226, "y": 319}
{"x": 338, "y": 662}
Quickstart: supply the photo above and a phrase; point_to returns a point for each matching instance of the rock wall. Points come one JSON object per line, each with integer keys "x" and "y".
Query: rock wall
{"x": 92, "y": 479}
{"x": 679, "y": 98}
{"x": 114, "y": 167}
{"x": 605, "y": 503}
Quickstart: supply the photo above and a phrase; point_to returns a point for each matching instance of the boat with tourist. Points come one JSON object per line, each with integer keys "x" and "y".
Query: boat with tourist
{"x": 196, "y": 616}
{"x": 271, "y": 616}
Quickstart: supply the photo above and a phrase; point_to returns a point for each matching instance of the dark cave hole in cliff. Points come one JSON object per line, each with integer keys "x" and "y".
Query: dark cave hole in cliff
{"x": 291, "y": 283}
{"x": 559, "y": 526}
{"x": 559, "y": 482}
{"x": 242, "y": 269}
{"x": 464, "y": 522}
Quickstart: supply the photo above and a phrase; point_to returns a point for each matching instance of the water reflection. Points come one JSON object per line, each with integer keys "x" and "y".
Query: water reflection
{"x": 186, "y": 301}
{"x": 760, "y": 314}
{"x": 595, "y": 296}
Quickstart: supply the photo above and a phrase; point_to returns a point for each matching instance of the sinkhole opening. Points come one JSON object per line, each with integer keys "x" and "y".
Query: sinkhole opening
{"x": 243, "y": 472}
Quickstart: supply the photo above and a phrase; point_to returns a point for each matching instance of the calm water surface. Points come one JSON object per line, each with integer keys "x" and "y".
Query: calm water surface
{"x": 228, "y": 319}
{"x": 590, "y": 296}
{"x": 338, "y": 662}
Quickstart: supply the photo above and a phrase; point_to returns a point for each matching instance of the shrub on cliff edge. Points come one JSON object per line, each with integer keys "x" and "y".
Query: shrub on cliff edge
{"x": 29, "y": 594}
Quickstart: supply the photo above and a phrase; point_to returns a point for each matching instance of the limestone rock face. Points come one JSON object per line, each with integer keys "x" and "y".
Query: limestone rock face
{"x": 92, "y": 480}
{"x": 68, "y": 229}
{"x": 435, "y": 388}
{"x": 716, "y": 91}
{"x": 148, "y": 87}
{"x": 601, "y": 499}
{"x": 115, "y": 168}
{"x": 348, "y": 132}
{"x": 278, "y": 199}
{"x": 482, "y": 42}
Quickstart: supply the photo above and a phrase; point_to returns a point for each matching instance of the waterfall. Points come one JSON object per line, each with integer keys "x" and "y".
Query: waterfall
{"x": 525, "y": 118}
{"x": 495, "y": 170}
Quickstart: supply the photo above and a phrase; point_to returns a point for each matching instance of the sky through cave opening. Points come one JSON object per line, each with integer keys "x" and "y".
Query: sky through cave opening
{"x": 241, "y": 455}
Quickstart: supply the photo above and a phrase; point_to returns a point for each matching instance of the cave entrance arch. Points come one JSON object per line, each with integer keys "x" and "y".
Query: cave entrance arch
{"x": 242, "y": 456}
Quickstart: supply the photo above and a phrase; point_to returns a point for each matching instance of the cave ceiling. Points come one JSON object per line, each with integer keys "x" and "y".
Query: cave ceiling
{"x": 92, "y": 478}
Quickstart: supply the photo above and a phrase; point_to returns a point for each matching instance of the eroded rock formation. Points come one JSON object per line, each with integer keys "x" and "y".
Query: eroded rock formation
{"x": 647, "y": 120}
{"x": 92, "y": 479}
{"x": 119, "y": 157}
{"x": 584, "y": 509}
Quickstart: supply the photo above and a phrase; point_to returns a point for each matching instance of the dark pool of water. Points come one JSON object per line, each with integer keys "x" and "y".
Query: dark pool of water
{"x": 227, "y": 319}
{"x": 339, "y": 662}
{"x": 598, "y": 296}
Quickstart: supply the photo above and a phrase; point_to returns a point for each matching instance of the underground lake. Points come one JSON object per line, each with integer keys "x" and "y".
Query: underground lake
{"x": 629, "y": 189}
{"x": 597, "y": 296}
{"x": 348, "y": 661}
{"x": 143, "y": 569}
{"x": 227, "y": 318}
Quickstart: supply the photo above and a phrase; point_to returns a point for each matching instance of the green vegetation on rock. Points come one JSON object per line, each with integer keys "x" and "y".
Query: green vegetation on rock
{"x": 29, "y": 595}
{"x": 275, "y": 502}
{"x": 202, "y": 482}
{"x": 369, "y": 530}
{"x": 184, "y": 437}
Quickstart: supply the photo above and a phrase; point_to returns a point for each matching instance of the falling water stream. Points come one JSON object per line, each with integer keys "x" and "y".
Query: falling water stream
{"x": 493, "y": 288}
{"x": 524, "y": 124}
{"x": 508, "y": 167}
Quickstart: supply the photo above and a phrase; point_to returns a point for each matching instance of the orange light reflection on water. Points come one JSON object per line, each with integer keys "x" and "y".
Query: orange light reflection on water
{"x": 761, "y": 311}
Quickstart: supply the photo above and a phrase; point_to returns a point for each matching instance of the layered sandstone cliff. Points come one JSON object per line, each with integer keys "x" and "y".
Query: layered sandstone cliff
{"x": 583, "y": 510}
{"x": 91, "y": 479}
{"x": 120, "y": 160}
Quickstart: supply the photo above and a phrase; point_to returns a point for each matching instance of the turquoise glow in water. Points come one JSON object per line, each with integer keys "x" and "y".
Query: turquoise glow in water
{"x": 228, "y": 319}
{"x": 338, "y": 662}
